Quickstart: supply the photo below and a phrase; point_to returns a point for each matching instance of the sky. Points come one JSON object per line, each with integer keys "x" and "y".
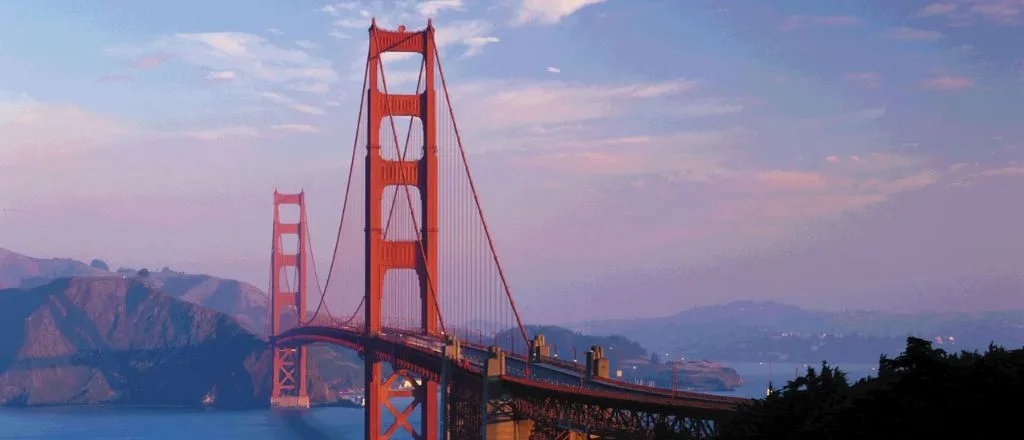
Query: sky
{"x": 634, "y": 158}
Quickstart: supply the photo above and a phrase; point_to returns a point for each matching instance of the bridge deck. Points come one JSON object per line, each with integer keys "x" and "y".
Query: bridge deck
{"x": 423, "y": 355}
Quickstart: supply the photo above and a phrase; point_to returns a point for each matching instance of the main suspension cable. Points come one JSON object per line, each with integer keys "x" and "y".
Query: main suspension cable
{"x": 344, "y": 206}
{"x": 476, "y": 199}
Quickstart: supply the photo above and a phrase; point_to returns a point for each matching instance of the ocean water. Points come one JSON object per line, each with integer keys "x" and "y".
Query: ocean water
{"x": 314, "y": 424}
{"x": 167, "y": 424}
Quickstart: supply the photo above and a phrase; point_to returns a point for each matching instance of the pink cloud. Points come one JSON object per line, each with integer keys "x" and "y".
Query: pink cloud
{"x": 799, "y": 21}
{"x": 796, "y": 180}
{"x": 968, "y": 12}
{"x": 935, "y": 9}
{"x": 1001, "y": 11}
{"x": 589, "y": 162}
{"x": 874, "y": 162}
{"x": 949, "y": 83}
{"x": 906, "y": 33}
{"x": 150, "y": 61}
{"x": 41, "y": 133}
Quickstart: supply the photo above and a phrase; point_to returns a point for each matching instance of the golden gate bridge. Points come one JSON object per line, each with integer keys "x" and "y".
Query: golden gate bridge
{"x": 428, "y": 295}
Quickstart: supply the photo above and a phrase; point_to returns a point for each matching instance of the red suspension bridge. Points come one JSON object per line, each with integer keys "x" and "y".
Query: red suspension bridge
{"x": 428, "y": 295}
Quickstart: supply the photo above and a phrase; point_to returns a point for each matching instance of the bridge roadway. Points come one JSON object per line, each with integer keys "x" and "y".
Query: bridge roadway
{"x": 550, "y": 374}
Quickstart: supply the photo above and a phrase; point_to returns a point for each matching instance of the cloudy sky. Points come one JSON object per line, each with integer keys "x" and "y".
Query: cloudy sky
{"x": 635, "y": 157}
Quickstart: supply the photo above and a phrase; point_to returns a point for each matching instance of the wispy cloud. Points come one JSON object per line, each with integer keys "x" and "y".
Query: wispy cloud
{"x": 430, "y": 8}
{"x": 353, "y": 18}
{"x": 906, "y": 33}
{"x": 687, "y": 155}
{"x": 553, "y": 70}
{"x": 247, "y": 54}
{"x": 709, "y": 107}
{"x": 222, "y": 133}
{"x": 936, "y": 9}
{"x": 336, "y": 9}
{"x": 234, "y": 56}
{"x": 222, "y": 75}
{"x": 35, "y": 131}
{"x": 281, "y": 99}
{"x": 545, "y": 12}
{"x": 150, "y": 61}
{"x": 949, "y": 83}
{"x": 969, "y": 12}
{"x": 318, "y": 88}
{"x": 504, "y": 105}
{"x": 299, "y": 128}
{"x": 800, "y": 21}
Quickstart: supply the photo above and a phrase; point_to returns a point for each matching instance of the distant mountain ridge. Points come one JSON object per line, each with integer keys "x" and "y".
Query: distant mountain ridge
{"x": 245, "y": 302}
{"x": 17, "y": 270}
{"x": 774, "y": 316}
{"x": 752, "y": 330}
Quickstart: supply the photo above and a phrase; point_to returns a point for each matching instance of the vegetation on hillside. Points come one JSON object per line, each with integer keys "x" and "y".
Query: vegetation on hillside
{"x": 243, "y": 301}
{"x": 922, "y": 393}
{"x": 114, "y": 341}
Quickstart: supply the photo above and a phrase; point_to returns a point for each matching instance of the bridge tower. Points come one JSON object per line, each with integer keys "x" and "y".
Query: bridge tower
{"x": 288, "y": 303}
{"x": 382, "y": 254}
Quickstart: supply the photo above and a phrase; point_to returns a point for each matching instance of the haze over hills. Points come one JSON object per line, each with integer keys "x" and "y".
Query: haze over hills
{"x": 120, "y": 330}
{"x": 743, "y": 331}
{"x": 245, "y": 302}
{"x": 760, "y": 331}
{"x": 113, "y": 340}
{"x": 17, "y": 270}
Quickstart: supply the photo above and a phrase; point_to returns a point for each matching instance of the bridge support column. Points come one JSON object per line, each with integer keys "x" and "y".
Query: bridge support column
{"x": 540, "y": 350}
{"x": 384, "y": 252}
{"x": 288, "y": 304}
{"x": 597, "y": 364}
{"x": 499, "y": 423}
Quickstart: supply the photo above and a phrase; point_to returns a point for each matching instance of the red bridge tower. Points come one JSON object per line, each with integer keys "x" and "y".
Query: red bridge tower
{"x": 288, "y": 303}
{"x": 419, "y": 254}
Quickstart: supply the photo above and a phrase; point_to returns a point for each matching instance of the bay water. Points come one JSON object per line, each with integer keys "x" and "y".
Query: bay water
{"x": 330, "y": 423}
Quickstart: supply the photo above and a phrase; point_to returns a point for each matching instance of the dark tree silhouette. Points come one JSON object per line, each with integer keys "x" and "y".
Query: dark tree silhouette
{"x": 99, "y": 264}
{"x": 655, "y": 359}
{"x": 143, "y": 273}
{"x": 923, "y": 393}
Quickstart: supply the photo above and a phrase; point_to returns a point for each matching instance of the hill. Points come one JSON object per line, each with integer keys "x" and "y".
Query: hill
{"x": 17, "y": 270}
{"x": 910, "y": 392}
{"x": 111, "y": 340}
{"x": 759, "y": 331}
{"x": 629, "y": 358}
{"x": 245, "y": 302}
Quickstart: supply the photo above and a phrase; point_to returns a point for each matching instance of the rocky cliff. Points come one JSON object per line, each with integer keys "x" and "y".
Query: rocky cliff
{"x": 113, "y": 340}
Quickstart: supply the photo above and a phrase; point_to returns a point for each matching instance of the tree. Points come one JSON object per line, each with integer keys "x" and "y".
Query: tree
{"x": 99, "y": 264}
{"x": 655, "y": 359}
{"x": 143, "y": 273}
{"x": 922, "y": 393}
